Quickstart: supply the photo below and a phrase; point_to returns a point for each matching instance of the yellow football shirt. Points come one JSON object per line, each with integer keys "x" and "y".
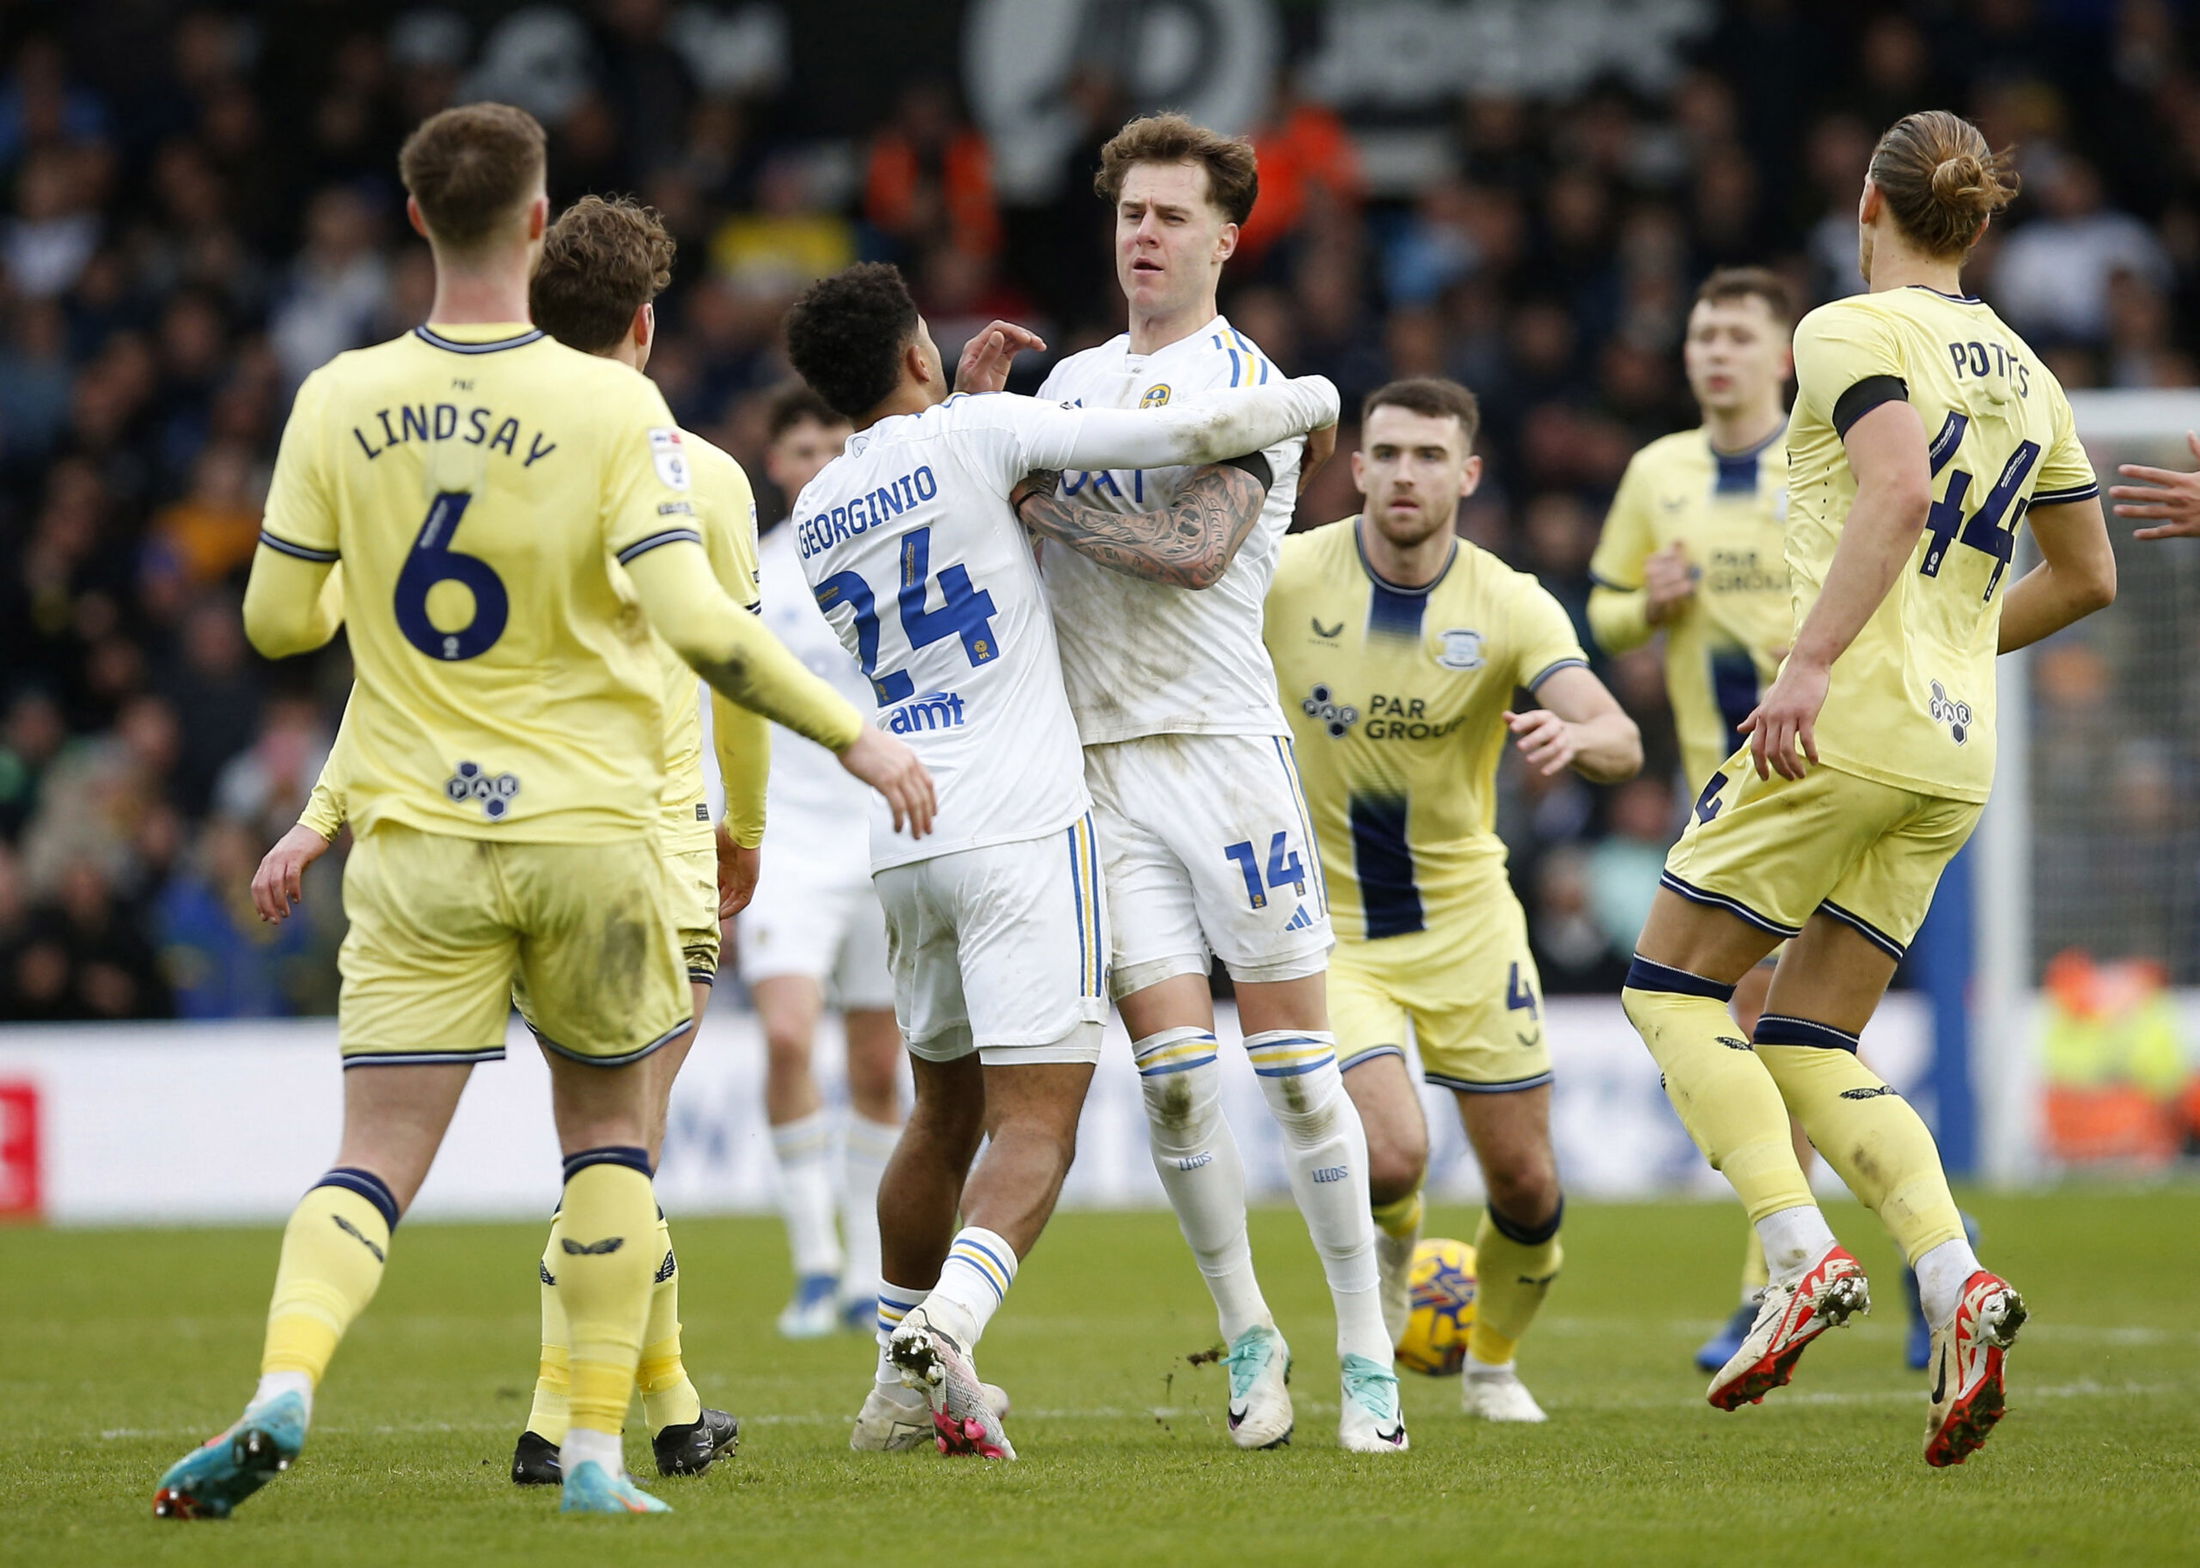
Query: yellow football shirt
{"x": 477, "y": 483}
{"x": 725, "y": 514}
{"x": 1728, "y": 510}
{"x": 1396, "y": 699}
{"x": 1911, "y": 703}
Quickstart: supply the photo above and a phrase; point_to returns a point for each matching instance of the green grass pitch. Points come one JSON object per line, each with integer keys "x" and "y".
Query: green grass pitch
{"x": 120, "y": 1349}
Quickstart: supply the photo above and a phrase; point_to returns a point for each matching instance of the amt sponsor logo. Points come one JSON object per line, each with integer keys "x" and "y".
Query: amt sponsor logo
{"x": 935, "y": 710}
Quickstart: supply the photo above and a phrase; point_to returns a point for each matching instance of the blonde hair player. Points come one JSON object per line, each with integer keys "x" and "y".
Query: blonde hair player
{"x": 1196, "y": 795}
{"x": 1924, "y": 434}
{"x": 478, "y": 483}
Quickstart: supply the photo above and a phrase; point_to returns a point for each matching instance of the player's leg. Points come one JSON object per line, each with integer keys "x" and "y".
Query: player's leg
{"x": 1756, "y": 859}
{"x": 1516, "y": 1247}
{"x": 1159, "y": 980}
{"x": 864, "y": 989}
{"x": 789, "y": 1006}
{"x": 607, "y": 987}
{"x": 1032, "y": 945}
{"x": 1397, "y": 1165}
{"x": 425, "y": 968}
{"x": 1748, "y": 1002}
{"x": 1821, "y": 999}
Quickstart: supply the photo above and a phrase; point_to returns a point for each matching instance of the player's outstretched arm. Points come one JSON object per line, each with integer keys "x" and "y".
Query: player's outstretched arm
{"x": 1893, "y": 493}
{"x": 2075, "y": 577}
{"x": 2167, "y": 500}
{"x": 734, "y": 651}
{"x": 1187, "y": 544}
{"x": 1211, "y": 428}
{"x": 1580, "y": 726}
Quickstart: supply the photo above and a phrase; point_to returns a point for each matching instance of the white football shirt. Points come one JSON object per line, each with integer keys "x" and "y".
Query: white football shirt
{"x": 812, "y": 804}
{"x": 1144, "y": 658}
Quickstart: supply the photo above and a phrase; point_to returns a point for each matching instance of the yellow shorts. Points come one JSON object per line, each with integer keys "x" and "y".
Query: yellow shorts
{"x": 1468, "y": 990}
{"x": 1776, "y": 851}
{"x": 694, "y": 877}
{"x": 441, "y": 925}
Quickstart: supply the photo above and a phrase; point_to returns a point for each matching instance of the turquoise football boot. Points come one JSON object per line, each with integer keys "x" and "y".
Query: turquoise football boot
{"x": 591, "y": 1489}
{"x": 210, "y": 1481}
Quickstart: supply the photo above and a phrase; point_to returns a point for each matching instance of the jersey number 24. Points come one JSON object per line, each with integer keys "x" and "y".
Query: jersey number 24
{"x": 965, "y": 613}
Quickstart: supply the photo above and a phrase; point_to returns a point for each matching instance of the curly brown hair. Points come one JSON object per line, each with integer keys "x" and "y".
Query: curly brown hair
{"x": 846, "y": 333}
{"x": 601, "y": 262}
{"x": 469, "y": 167}
{"x": 1233, "y": 175}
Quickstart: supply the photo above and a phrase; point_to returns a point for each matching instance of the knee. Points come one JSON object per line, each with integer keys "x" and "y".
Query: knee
{"x": 1394, "y": 1173}
{"x": 1524, "y": 1195}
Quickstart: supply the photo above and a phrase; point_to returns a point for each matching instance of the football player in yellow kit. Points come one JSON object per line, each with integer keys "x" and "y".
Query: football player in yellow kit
{"x": 1924, "y": 433}
{"x": 603, "y": 263}
{"x": 1398, "y": 648}
{"x": 478, "y": 481}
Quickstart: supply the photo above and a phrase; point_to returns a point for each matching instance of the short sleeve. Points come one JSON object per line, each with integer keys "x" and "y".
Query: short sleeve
{"x": 1848, "y": 361}
{"x": 300, "y": 516}
{"x": 1543, "y": 637}
{"x": 2066, "y": 473}
{"x": 1627, "y": 540}
{"x": 648, "y": 474}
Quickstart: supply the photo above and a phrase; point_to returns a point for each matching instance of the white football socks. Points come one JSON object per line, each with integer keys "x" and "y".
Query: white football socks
{"x": 1196, "y": 1157}
{"x": 895, "y": 1302}
{"x": 865, "y": 1148}
{"x": 1792, "y": 1238}
{"x": 1325, "y": 1151}
{"x": 803, "y": 1149}
{"x": 581, "y": 1445}
{"x": 974, "y": 1281}
{"x": 1940, "y": 1277}
{"x": 273, "y": 1384}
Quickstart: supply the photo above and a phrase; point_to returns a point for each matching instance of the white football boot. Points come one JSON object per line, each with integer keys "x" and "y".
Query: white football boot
{"x": 895, "y": 1419}
{"x": 1370, "y": 1421}
{"x": 1830, "y": 1292}
{"x": 1968, "y": 1350}
{"x": 934, "y": 1364}
{"x": 1498, "y": 1395}
{"x": 1259, "y": 1364}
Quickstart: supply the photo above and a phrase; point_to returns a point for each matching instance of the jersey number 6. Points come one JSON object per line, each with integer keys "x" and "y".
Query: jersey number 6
{"x": 433, "y": 561}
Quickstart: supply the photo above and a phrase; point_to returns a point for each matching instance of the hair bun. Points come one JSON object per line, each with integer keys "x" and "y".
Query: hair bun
{"x": 1959, "y": 179}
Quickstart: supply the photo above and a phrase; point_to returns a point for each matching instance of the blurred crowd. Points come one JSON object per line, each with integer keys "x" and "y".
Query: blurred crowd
{"x": 200, "y": 206}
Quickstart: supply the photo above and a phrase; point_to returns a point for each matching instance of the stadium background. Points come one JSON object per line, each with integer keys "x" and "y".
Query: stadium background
{"x": 200, "y": 206}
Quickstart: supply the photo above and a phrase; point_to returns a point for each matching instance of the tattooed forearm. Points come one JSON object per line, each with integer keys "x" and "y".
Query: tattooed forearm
{"x": 1187, "y": 544}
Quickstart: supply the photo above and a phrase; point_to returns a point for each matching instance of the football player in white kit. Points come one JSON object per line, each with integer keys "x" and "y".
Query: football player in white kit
{"x": 813, "y": 932}
{"x": 1203, "y": 830}
{"x": 996, "y": 923}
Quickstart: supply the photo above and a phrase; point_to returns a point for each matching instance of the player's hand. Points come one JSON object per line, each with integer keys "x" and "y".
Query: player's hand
{"x": 893, "y": 770}
{"x": 275, "y": 886}
{"x": 1786, "y": 721}
{"x": 1545, "y": 739}
{"x": 2170, "y": 500}
{"x": 987, "y": 356}
{"x": 737, "y": 872}
{"x": 1668, "y": 582}
{"x": 1321, "y": 446}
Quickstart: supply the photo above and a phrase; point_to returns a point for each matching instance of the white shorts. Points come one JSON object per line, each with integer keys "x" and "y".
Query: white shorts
{"x": 831, "y": 932}
{"x": 1208, "y": 849}
{"x": 1001, "y": 950}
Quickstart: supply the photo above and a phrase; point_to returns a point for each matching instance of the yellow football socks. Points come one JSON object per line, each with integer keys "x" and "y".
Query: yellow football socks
{"x": 1726, "y": 1098}
{"x": 1513, "y": 1265}
{"x": 668, "y": 1398}
{"x": 333, "y": 1252}
{"x": 1400, "y": 1218}
{"x": 605, "y": 1260}
{"x": 1866, "y": 1131}
{"x": 553, "y": 1373}
{"x": 1755, "y": 1276}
